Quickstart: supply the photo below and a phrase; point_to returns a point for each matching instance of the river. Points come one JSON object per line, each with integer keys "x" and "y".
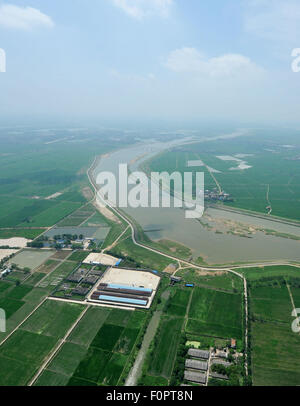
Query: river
{"x": 214, "y": 246}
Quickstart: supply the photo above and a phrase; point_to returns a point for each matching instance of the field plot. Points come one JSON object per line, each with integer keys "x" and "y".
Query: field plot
{"x": 78, "y": 217}
{"x": 11, "y": 298}
{"x": 275, "y": 354}
{"x": 53, "y": 318}
{"x": 142, "y": 257}
{"x": 96, "y": 219}
{"x": 52, "y": 215}
{"x": 31, "y": 258}
{"x": 111, "y": 348}
{"x": 255, "y": 171}
{"x": 20, "y": 210}
{"x": 177, "y": 304}
{"x": 253, "y": 274}
{"x": 78, "y": 256}
{"x": 48, "y": 266}
{"x": 215, "y": 313}
{"x": 274, "y": 346}
{"x": 97, "y": 350}
{"x": 165, "y": 347}
{"x": 219, "y": 280}
{"x": 30, "y": 234}
{"x": 26, "y": 349}
{"x": 271, "y": 303}
{"x": 19, "y": 301}
{"x": 160, "y": 359}
{"x": 61, "y": 254}
{"x": 87, "y": 328}
{"x": 56, "y": 277}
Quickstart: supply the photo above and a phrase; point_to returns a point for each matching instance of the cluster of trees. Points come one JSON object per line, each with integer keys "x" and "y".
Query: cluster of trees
{"x": 127, "y": 261}
{"x": 234, "y": 372}
{"x": 4, "y": 260}
{"x": 68, "y": 237}
{"x": 273, "y": 281}
{"x": 35, "y": 244}
{"x": 178, "y": 371}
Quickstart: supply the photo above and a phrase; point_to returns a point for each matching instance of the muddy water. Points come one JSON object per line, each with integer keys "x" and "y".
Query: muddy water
{"x": 214, "y": 248}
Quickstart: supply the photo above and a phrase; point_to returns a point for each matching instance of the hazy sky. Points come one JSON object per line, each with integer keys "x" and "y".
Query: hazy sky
{"x": 189, "y": 59}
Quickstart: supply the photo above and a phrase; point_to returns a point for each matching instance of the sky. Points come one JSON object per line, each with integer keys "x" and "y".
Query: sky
{"x": 151, "y": 59}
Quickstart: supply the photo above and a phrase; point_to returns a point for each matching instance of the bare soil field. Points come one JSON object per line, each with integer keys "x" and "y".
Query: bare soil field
{"x": 18, "y": 242}
{"x": 6, "y": 253}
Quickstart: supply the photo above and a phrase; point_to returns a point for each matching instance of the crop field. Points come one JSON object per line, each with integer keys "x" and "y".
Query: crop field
{"x": 34, "y": 278}
{"x": 60, "y": 255}
{"x": 26, "y": 349}
{"x": 177, "y": 303}
{"x": 270, "y": 303}
{"x": 43, "y": 170}
{"x": 296, "y": 296}
{"x": 78, "y": 217}
{"x": 19, "y": 301}
{"x": 274, "y": 346}
{"x": 96, "y": 220}
{"x": 160, "y": 359}
{"x": 166, "y": 346}
{"x": 47, "y": 266}
{"x": 31, "y": 258}
{"x": 275, "y": 354}
{"x": 30, "y": 234}
{"x": 78, "y": 256}
{"x": 224, "y": 281}
{"x": 97, "y": 350}
{"x": 253, "y": 274}
{"x": 215, "y": 313}
{"x": 53, "y": 318}
{"x": 11, "y": 297}
{"x": 55, "y": 278}
{"x": 208, "y": 316}
{"x": 126, "y": 248}
{"x": 271, "y": 167}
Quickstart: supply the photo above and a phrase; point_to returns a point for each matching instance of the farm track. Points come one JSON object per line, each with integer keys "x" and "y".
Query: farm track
{"x": 57, "y": 348}
{"x": 22, "y": 322}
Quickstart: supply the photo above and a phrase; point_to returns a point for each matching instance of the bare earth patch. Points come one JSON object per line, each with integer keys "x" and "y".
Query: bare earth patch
{"x": 87, "y": 193}
{"x": 57, "y": 194}
{"x": 6, "y": 253}
{"x": 170, "y": 269}
{"x": 209, "y": 273}
{"x": 107, "y": 213}
{"x": 19, "y": 242}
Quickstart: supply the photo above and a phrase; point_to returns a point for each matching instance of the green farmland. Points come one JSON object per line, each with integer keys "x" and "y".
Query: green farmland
{"x": 209, "y": 316}
{"x": 98, "y": 349}
{"x": 25, "y": 350}
{"x": 274, "y": 346}
{"x": 215, "y": 313}
{"x": 272, "y": 167}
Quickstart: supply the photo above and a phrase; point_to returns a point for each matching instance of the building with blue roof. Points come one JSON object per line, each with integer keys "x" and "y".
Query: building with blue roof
{"x": 128, "y": 300}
